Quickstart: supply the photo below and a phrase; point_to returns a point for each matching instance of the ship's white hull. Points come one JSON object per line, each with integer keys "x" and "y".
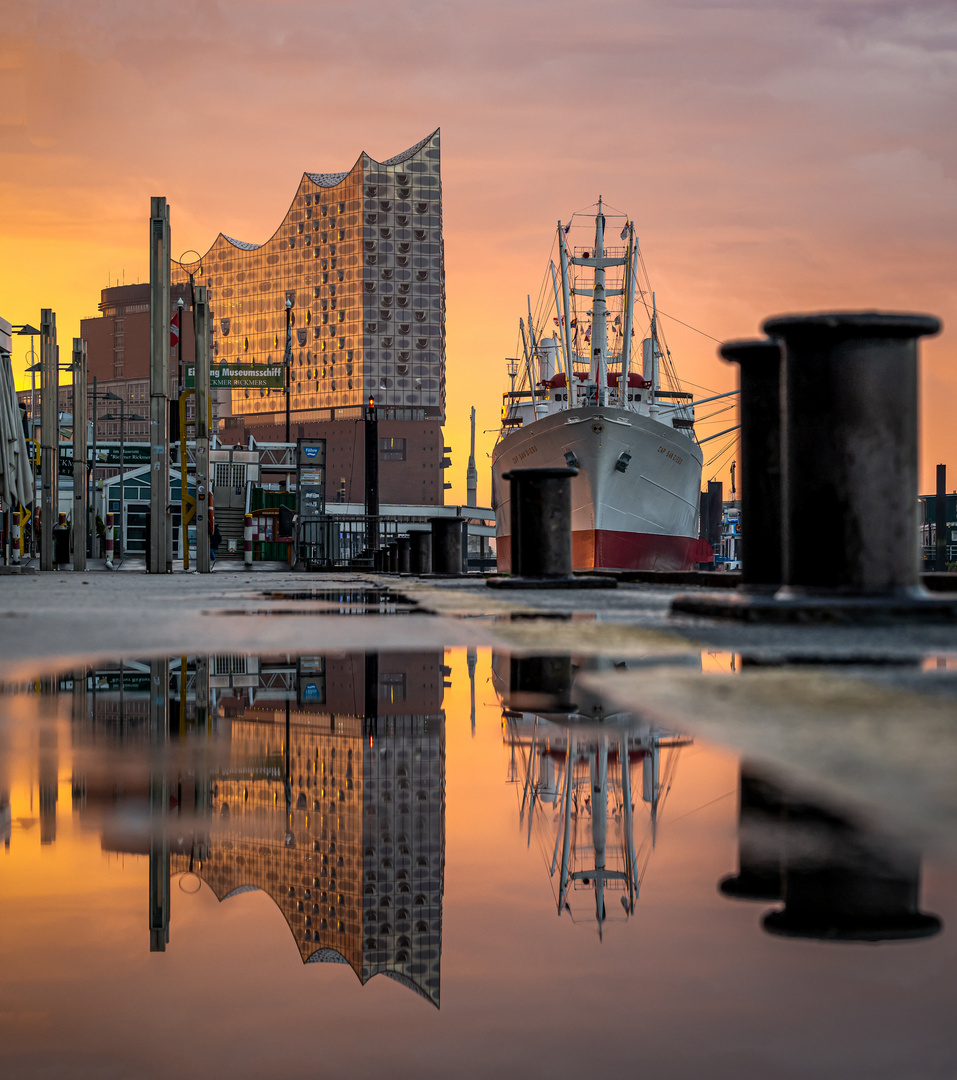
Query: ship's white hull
{"x": 642, "y": 518}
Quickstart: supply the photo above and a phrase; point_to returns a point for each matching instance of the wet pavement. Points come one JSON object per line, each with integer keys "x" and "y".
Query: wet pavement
{"x": 574, "y": 832}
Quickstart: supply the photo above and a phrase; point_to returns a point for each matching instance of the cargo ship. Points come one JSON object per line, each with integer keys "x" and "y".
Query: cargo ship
{"x": 582, "y": 395}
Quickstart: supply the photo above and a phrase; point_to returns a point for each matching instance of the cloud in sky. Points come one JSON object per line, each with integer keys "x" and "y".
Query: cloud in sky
{"x": 775, "y": 155}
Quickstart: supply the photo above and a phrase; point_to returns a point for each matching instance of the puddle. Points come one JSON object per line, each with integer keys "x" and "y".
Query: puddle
{"x": 235, "y": 846}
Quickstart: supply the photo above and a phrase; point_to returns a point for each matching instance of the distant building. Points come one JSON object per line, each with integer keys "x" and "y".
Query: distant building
{"x": 928, "y": 529}
{"x": 360, "y": 258}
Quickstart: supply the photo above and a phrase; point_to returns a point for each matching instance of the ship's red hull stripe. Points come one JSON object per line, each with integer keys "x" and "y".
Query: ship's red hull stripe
{"x": 609, "y": 549}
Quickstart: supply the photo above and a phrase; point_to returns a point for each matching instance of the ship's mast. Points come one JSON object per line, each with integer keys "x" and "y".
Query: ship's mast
{"x": 631, "y": 267}
{"x": 563, "y": 334}
{"x": 566, "y": 304}
{"x": 599, "y": 328}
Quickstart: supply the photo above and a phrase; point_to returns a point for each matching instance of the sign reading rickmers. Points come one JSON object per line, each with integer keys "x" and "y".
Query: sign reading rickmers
{"x": 249, "y": 376}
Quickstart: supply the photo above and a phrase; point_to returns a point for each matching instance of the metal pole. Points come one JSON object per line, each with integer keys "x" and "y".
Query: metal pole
{"x": 203, "y": 481}
{"x": 159, "y": 383}
{"x": 940, "y": 513}
{"x": 288, "y": 360}
{"x": 93, "y": 480}
{"x": 49, "y": 395}
{"x": 122, "y": 482}
{"x": 79, "y": 455}
{"x": 159, "y": 870}
{"x": 372, "y": 476}
{"x": 36, "y": 458}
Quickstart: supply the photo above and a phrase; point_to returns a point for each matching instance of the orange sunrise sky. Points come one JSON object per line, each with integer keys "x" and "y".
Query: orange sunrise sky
{"x": 776, "y": 155}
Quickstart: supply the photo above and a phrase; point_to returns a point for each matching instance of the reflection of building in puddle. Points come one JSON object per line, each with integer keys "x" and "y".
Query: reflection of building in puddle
{"x": 324, "y": 788}
{"x": 838, "y": 880}
{"x": 582, "y": 771}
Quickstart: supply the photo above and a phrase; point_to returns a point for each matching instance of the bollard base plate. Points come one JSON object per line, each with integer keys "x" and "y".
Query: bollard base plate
{"x": 847, "y": 610}
{"x": 578, "y": 581}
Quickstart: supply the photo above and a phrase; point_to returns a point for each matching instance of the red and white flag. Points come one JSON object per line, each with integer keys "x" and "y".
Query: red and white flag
{"x": 174, "y": 331}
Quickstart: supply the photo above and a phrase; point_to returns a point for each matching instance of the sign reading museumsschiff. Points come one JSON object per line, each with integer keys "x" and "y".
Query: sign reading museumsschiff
{"x": 232, "y": 376}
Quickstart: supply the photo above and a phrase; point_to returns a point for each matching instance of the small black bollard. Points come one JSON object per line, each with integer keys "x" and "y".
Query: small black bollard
{"x": 61, "y": 542}
{"x": 541, "y": 522}
{"x": 446, "y": 546}
{"x": 403, "y": 555}
{"x": 540, "y": 684}
{"x": 759, "y": 402}
{"x": 420, "y": 560}
{"x": 849, "y": 434}
{"x": 393, "y": 550}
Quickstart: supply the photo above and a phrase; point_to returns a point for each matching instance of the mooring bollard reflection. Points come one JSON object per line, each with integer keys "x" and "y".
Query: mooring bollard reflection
{"x": 582, "y": 770}
{"x": 839, "y": 880}
{"x": 318, "y": 780}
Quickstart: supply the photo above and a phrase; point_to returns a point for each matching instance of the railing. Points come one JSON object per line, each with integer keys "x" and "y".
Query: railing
{"x": 333, "y": 541}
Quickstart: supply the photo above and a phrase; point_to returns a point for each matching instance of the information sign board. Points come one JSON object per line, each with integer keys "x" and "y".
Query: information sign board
{"x": 241, "y": 376}
{"x": 311, "y": 477}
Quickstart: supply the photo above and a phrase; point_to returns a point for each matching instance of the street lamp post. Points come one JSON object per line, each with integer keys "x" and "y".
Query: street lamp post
{"x": 33, "y": 369}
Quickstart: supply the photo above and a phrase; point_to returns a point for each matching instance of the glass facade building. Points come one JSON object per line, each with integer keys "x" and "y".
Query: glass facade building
{"x": 360, "y": 257}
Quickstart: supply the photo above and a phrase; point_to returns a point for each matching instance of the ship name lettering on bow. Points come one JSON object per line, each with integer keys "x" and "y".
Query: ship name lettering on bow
{"x": 671, "y": 455}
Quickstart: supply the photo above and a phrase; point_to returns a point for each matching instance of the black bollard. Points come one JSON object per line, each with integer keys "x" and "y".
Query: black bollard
{"x": 849, "y": 434}
{"x": 446, "y": 546}
{"x": 760, "y": 823}
{"x": 403, "y": 554}
{"x": 844, "y": 883}
{"x": 759, "y": 403}
{"x": 849, "y": 525}
{"x": 541, "y": 522}
{"x": 420, "y": 561}
{"x": 393, "y": 550}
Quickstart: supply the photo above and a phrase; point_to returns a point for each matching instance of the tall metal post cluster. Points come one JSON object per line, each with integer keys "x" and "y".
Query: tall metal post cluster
{"x": 79, "y": 454}
{"x": 49, "y": 401}
{"x": 160, "y": 554}
{"x": 203, "y": 484}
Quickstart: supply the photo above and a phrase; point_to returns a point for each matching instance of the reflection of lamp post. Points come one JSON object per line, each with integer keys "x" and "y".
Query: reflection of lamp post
{"x": 110, "y": 416}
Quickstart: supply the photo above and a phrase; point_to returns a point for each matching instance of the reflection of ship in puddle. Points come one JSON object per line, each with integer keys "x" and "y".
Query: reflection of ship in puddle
{"x": 320, "y": 781}
{"x": 584, "y": 773}
{"x": 839, "y": 879}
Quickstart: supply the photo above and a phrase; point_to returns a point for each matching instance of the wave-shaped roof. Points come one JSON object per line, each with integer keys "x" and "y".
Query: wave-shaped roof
{"x": 327, "y": 179}
{"x": 244, "y": 244}
{"x": 331, "y": 180}
{"x": 406, "y": 154}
